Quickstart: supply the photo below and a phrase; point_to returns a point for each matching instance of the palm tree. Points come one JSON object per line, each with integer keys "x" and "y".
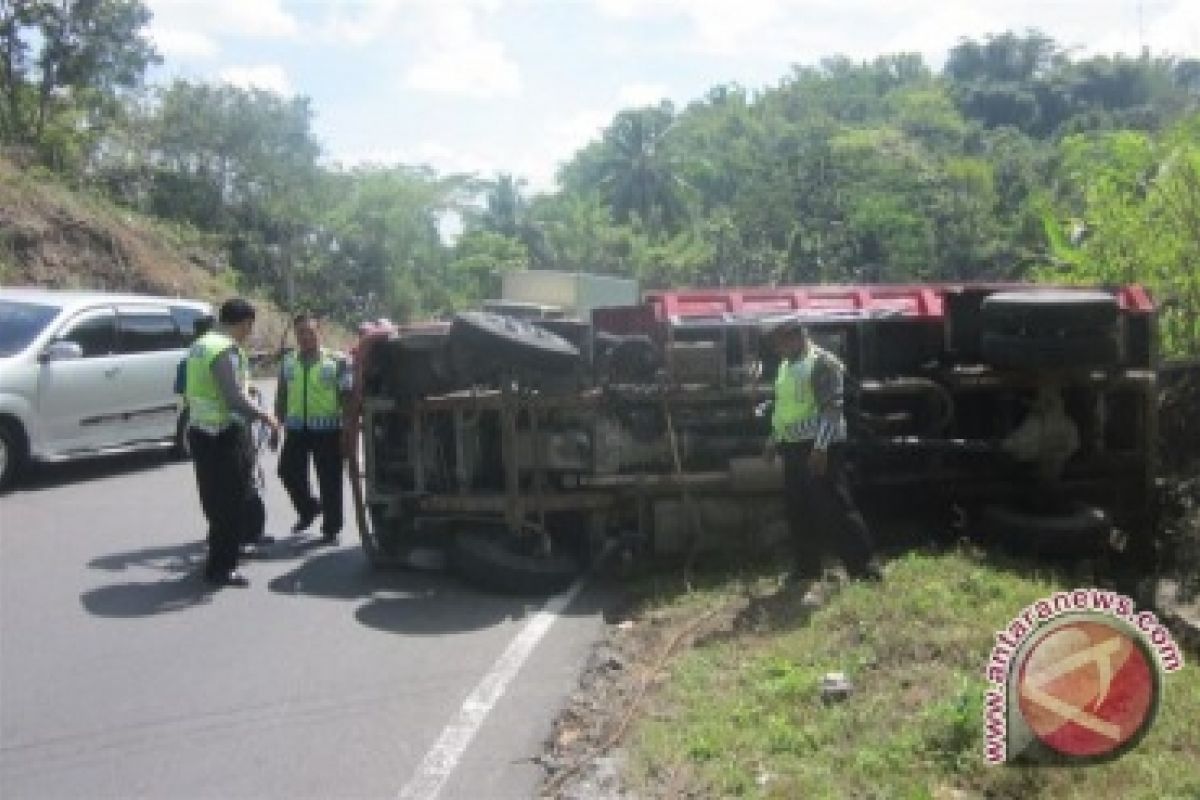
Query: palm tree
{"x": 638, "y": 173}
{"x": 506, "y": 209}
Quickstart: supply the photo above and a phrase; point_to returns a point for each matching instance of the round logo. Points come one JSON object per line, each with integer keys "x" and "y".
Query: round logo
{"x": 1088, "y": 688}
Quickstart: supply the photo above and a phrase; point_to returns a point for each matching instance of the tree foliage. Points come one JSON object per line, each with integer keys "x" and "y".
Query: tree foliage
{"x": 844, "y": 170}
{"x": 64, "y": 67}
{"x": 1130, "y": 213}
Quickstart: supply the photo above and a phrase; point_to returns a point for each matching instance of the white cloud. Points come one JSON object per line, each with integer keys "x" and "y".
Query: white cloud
{"x": 455, "y": 58}
{"x": 933, "y": 35}
{"x": 806, "y": 30}
{"x": 536, "y": 159}
{"x": 641, "y": 94}
{"x": 183, "y": 44}
{"x": 363, "y": 22}
{"x": 192, "y": 29}
{"x": 270, "y": 77}
{"x": 1174, "y": 29}
{"x": 716, "y": 26}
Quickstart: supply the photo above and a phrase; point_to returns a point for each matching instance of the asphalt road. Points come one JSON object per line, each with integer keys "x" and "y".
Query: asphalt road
{"x": 121, "y": 676}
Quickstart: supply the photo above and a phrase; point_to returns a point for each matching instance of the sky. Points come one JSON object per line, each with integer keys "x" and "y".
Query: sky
{"x": 488, "y": 86}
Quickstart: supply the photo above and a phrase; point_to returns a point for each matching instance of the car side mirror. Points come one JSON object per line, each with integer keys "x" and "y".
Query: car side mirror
{"x": 61, "y": 351}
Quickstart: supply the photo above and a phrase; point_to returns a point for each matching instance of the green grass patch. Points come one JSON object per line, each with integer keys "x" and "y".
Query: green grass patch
{"x": 741, "y": 715}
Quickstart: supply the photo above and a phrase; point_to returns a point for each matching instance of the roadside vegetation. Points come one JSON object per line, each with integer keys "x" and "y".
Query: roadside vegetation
{"x": 740, "y": 713}
{"x": 1016, "y": 160}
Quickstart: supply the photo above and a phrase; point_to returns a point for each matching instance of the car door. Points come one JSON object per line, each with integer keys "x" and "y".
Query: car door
{"x": 151, "y": 347}
{"x": 79, "y": 398}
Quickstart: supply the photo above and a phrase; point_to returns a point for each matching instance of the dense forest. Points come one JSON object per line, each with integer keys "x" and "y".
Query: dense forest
{"x": 1015, "y": 161}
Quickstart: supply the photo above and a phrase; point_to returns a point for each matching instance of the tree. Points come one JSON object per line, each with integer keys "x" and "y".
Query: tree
{"x": 67, "y": 62}
{"x": 1129, "y": 212}
{"x": 505, "y": 208}
{"x": 480, "y": 259}
{"x": 635, "y": 170}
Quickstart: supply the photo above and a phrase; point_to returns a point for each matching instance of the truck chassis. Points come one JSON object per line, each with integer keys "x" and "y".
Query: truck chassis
{"x": 525, "y": 449}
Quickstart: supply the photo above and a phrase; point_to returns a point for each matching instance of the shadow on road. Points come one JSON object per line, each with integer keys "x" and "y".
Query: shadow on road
{"x": 176, "y": 558}
{"x": 148, "y": 598}
{"x": 185, "y": 562}
{"x": 55, "y": 475}
{"x": 405, "y": 601}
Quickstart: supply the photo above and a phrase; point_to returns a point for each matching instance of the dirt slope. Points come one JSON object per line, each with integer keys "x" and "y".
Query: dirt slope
{"x": 57, "y": 238}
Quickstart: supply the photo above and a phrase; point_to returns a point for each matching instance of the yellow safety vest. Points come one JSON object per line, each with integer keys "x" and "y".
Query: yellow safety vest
{"x": 207, "y": 408}
{"x": 796, "y": 414}
{"x": 313, "y": 399}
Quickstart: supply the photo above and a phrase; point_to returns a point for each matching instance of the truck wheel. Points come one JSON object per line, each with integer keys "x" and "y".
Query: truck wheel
{"x": 379, "y": 539}
{"x": 1051, "y": 329}
{"x": 499, "y": 337}
{"x": 1074, "y": 530}
{"x": 13, "y": 452}
{"x": 494, "y": 560}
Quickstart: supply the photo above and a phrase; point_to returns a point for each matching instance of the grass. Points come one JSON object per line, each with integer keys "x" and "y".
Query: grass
{"x": 740, "y": 715}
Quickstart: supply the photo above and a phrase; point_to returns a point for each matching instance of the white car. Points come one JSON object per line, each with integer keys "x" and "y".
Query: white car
{"x": 87, "y": 372}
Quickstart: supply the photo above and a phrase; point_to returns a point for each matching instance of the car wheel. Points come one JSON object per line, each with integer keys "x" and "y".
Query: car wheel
{"x": 13, "y": 452}
{"x": 1068, "y": 531}
{"x": 1051, "y": 329}
{"x": 497, "y": 337}
{"x": 494, "y": 559}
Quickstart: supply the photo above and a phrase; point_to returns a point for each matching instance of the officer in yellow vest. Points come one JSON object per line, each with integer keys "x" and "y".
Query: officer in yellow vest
{"x": 808, "y": 429}
{"x": 219, "y": 411}
{"x": 314, "y": 384}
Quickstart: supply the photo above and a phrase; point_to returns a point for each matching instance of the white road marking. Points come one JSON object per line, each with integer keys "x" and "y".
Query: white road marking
{"x": 446, "y": 752}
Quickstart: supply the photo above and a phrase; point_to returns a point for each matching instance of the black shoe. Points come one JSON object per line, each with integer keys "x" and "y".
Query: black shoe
{"x": 329, "y": 537}
{"x": 304, "y": 521}
{"x": 231, "y": 578}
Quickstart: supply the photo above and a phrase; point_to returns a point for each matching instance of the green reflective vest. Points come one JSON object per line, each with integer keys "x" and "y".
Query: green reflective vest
{"x": 313, "y": 398}
{"x": 207, "y": 408}
{"x": 796, "y": 414}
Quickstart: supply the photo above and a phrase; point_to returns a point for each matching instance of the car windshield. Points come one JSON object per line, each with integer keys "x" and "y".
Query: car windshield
{"x": 20, "y": 323}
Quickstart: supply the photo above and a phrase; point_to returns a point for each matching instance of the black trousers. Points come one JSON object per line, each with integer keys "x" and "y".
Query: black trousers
{"x": 223, "y": 475}
{"x": 821, "y": 513}
{"x": 325, "y": 448}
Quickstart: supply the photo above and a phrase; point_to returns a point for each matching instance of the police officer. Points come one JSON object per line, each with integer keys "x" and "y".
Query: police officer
{"x": 808, "y": 428}
{"x": 314, "y": 384}
{"x": 219, "y": 411}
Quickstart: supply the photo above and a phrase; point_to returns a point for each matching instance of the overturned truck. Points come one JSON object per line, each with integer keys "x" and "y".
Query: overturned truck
{"x": 523, "y": 447}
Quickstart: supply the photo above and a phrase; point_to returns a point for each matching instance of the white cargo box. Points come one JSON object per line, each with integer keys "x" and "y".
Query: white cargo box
{"x": 576, "y": 293}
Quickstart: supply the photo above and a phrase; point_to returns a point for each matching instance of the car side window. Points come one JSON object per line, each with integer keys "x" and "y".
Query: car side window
{"x": 94, "y": 331}
{"x": 149, "y": 331}
{"x": 186, "y": 317}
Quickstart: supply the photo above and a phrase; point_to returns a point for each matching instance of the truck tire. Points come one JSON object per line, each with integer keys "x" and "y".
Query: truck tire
{"x": 1074, "y": 530}
{"x": 489, "y": 559}
{"x": 515, "y": 342}
{"x": 14, "y": 452}
{"x": 1051, "y": 329}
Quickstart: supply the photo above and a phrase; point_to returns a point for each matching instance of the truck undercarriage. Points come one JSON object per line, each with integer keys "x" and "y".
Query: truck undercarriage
{"x": 524, "y": 447}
